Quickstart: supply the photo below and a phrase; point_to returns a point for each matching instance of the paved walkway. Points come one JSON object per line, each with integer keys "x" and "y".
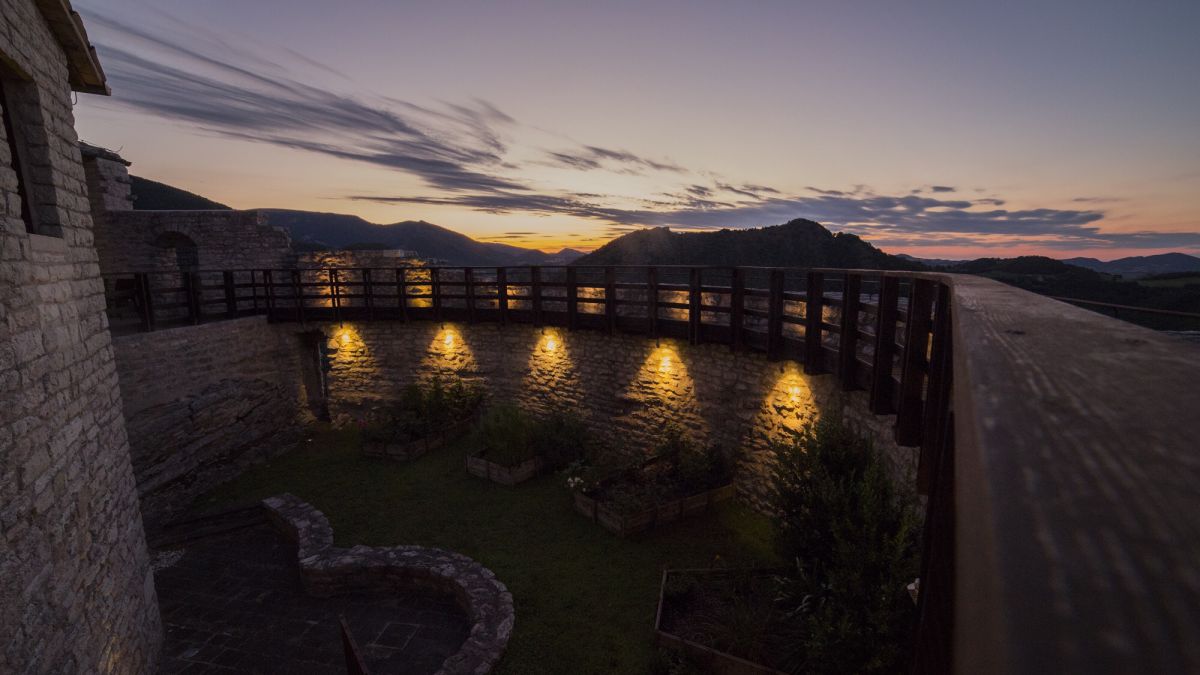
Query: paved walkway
{"x": 233, "y": 603}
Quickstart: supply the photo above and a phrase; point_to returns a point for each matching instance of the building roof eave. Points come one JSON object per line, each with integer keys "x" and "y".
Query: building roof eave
{"x": 85, "y": 72}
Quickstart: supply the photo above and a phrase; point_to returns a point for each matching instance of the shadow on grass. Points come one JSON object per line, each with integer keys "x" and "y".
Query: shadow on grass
{"x": 585, "y": 599}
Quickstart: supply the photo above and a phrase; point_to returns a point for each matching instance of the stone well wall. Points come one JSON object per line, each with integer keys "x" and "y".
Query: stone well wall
{"x": 628, "y": 387}
{"x": 76, "y": 591}
{"x": 202, "y": 402}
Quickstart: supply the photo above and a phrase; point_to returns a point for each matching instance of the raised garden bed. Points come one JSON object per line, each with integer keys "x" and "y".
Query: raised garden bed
{"x": 479, "y": 465}
{"x": 413, "y": 448}
{"x": 624, "y": 524}
{"x": 680, "y": 613}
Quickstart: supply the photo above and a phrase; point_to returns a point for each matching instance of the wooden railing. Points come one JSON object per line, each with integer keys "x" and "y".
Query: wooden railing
{"x": 1057, "y": 446}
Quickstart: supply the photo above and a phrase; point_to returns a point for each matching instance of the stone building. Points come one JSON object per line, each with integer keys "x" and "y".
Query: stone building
{"x": 76, "y": 591}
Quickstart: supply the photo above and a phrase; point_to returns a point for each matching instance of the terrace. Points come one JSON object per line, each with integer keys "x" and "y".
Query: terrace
{"x": 1054, "y": 446}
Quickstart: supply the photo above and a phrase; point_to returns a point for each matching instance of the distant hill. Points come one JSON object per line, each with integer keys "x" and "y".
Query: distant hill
{"x": 151, "y": 195}
{"x": 1028, "y": 265}
{"x": 1136, "y": 267}
{"x": 311, "y": 230}
{"x": 799, "y": 243}
{"x": 931, "y": 262}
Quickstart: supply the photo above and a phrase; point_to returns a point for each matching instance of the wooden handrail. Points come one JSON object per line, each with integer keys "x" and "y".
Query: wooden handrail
{"x": 1057, "y": 445}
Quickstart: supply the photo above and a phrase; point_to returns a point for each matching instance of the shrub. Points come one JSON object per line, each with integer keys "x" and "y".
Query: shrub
{"x": 426, "y": 408}
{"x": 506, "y": 432}
{"x": 854, "y": 539}
{"x": 561, "y": 438}
{"x": 689, "y": 468}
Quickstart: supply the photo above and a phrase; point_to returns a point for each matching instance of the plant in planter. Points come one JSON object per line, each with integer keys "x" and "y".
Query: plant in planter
{"x": 854, "y": 537}
{"x": 426, "y": 416}
{"x": 843, "y": 606}
{"x": 513, "y": 447}
{"x": 679, "y": 479}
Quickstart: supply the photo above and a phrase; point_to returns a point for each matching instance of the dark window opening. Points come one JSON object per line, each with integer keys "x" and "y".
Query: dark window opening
{"x": 16, "y": 153}
{"x": 24, "y": 134}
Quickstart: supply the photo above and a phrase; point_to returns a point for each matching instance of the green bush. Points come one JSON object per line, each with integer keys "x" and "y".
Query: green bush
{"x": 854, "y": 539}
{"x": 689, "y": 468}
{"x": 561, "y": 438}
{"x": 425, "y": 408}
{"x": 506, "y": 434}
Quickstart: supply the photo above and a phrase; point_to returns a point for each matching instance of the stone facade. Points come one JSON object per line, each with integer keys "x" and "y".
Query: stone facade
{"x": 628, "y": 387}
{"x": 147, "y": 241}
{"x": 76, "y": 592}
{"x": 201, "y": 403}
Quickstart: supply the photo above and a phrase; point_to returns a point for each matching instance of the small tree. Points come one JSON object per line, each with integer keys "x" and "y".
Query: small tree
{"x": 853, "y": 536}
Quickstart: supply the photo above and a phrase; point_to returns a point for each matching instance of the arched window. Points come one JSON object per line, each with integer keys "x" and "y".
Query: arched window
{"x": 187, "y": 254}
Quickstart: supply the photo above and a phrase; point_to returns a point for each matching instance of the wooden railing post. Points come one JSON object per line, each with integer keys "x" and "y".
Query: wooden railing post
{"x": 610, "y": 298}
{"x": 502, "y": 294}
{"x": 814, "y": 312}
{"x": 269, "y": 284}
{"x": 883, "y": 391}
{"x": 572, "y": 298}
{"x": 402, "y": 291}
{"x": 694, "y": 305}
{"x": 145, "y": 300}
{"x": 737, "y": 303}
{"x": 848, "y": 343}
{"x": 368, "y": 293}
{"x": 298, "y": 295}
{"x": 469, "y": 291}
{"x": 254, "y": 290}
{"x": 335, "y": 293}
{"x": 435, "y": 289}
{"x": 652, "y": 300}
{"x": 775, "y": 316}
{"x": 912, "y": 375}
{"x": 535, "y": 294}
{"x": 191, "y": 286}
{"x": 230, "y": 294}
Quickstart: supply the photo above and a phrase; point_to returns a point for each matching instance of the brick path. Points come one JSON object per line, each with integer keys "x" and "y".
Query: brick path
{"x": 233, "y": 603}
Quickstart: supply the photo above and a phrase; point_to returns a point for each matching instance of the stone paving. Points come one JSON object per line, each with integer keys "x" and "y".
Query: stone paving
{"x": 234, "y": 603}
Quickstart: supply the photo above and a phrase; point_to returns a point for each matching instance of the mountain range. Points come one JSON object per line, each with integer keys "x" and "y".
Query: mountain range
{"x": 1136, "y": 267}
{"x": 798, "y": 243}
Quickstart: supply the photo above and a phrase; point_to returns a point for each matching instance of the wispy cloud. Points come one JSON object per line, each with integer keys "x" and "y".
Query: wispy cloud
{"x": 454, "y": 148}
{"x": 464, "y": 155}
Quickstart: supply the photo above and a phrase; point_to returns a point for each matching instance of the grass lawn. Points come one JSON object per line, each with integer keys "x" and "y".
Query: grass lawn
{"x": 585, "y": 600}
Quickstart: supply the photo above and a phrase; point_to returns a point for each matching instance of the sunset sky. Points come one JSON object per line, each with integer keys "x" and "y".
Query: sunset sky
{"x": 952, "y": 129}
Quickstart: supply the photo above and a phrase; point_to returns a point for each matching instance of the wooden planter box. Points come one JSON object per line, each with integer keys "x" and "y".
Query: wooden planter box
{"x": 478, "y": 465}
{"x": 626, "y": 524}
{"x": 415, "y": 448}
{"x": 713, "y": 661}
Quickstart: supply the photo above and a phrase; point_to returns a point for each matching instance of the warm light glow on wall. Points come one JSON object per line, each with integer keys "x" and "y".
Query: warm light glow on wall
{"x": 789, "y": 402}
{"x": 449, "y": 351}
{"x": 664, "y": 364}
{"x": 550, "y": 364}
{"x": 665, "y": 391}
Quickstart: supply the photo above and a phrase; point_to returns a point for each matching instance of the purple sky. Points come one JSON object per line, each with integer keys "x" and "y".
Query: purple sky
{"x": 937, "y": 128}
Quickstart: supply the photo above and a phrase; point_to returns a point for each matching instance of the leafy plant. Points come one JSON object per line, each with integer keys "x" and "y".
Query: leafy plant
{"x": 506, "y": 434}
{"x": 561, "y": 438}
{"x": 425, "y": 408}
{"x": 854, "y": 539}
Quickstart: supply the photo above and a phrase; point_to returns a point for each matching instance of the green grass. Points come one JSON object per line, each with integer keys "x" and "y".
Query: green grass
{"x": 585, "y": 600}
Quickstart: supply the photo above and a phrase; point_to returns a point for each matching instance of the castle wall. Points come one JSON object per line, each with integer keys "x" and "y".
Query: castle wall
{"x": 628, "y": 387}
{"x": 203, "y": 402}
{"x": 76, "y": 591}
{"x": 133, "y": 241}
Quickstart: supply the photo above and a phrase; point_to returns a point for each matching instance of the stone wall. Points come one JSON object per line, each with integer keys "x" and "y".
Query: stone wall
{"x": 146, "y": 241}
{"x": 76, "y": 592}
{"x": 203, "y": 402}
{"x": 628, "y": 387}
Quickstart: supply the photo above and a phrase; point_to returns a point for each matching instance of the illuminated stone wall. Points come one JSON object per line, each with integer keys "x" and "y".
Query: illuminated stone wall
{"x": 628, "y": 387}
{"x": 203, "y": 402}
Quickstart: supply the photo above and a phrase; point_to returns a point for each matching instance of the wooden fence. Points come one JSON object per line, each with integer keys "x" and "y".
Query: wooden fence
{"x": 1057, "y": 446}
